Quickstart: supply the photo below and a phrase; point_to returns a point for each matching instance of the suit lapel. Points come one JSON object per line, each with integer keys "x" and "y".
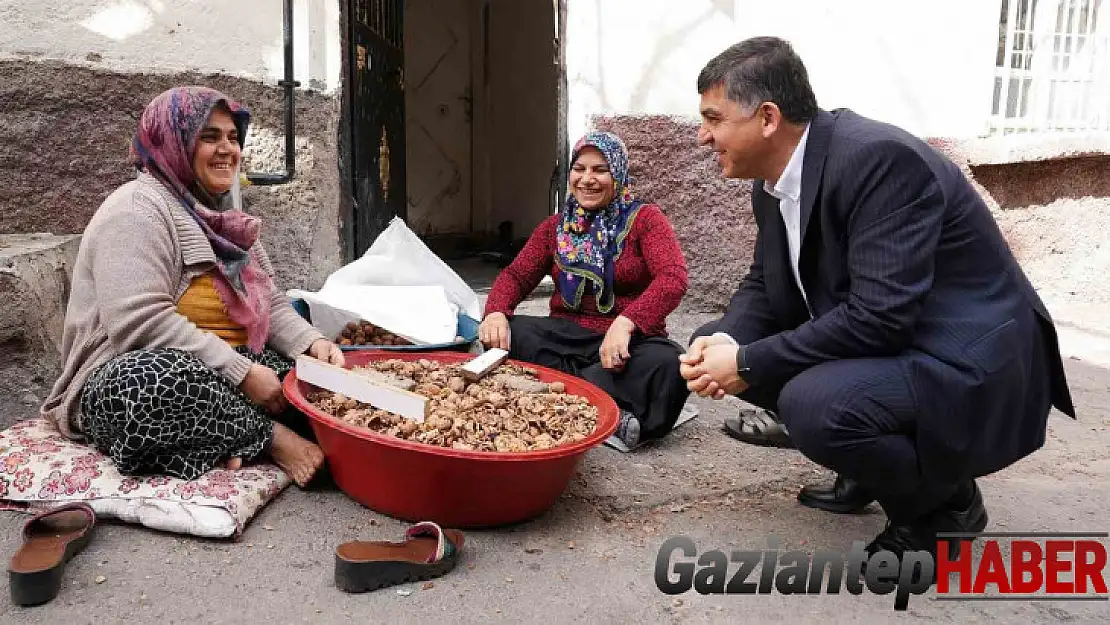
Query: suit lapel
{"x": 813, "y": 165}
{"x": 778, "y": 277}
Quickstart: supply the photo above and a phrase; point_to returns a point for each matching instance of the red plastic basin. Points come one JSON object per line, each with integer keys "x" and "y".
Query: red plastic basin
{"x": 455, "y": 488}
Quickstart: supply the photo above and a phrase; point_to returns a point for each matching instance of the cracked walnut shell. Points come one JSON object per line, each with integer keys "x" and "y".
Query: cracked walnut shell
{"x": 510, "y": 410}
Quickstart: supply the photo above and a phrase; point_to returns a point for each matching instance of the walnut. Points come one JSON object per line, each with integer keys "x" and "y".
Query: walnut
{"x": 510, "y": 411}
{"x": 506, "y": 442}
{"x": 497, "y": 399}
{"x": 365, "y": 333}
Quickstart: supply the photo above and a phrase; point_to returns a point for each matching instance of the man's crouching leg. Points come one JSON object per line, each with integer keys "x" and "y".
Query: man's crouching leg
{"x": 858, "y": 417}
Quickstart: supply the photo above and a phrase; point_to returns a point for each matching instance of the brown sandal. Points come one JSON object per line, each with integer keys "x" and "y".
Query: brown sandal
{"x": 50, "y": 540}
{"x": 428, "y": 551}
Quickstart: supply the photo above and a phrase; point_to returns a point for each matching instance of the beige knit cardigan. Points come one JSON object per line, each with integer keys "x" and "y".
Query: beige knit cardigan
{"x": 137, "y": 257}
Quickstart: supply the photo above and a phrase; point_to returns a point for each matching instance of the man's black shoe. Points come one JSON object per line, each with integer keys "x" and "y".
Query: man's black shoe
{"x": 963, "y": 513}
{"x": 898, "y": 539}
{"x": 845, "y": 496}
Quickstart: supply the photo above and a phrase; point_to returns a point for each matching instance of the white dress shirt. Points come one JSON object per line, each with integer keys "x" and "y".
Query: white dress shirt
{"x": 788, "y": 191}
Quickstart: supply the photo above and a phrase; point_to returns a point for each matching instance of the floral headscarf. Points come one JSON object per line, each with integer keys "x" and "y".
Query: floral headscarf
{"x": 164, "y": 146}
{"x": 588, "y": 243}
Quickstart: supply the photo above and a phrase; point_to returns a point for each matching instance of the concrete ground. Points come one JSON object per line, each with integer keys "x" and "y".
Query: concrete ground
{"x": 591, "y": 558}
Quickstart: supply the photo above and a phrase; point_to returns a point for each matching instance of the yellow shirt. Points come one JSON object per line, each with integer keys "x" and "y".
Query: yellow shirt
{"x": 202, "y": 305}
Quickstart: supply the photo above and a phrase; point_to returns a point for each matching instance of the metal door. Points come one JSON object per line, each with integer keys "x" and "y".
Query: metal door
{"x": 377, "y": 117}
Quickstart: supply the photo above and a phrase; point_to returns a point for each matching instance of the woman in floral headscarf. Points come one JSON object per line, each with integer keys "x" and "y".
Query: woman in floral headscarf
{"x": 175, "y": 339}
{"x": 618, "y": 272}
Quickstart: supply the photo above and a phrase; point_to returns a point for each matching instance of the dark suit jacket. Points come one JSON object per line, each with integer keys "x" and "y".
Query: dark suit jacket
{"x": 900, "y": 257}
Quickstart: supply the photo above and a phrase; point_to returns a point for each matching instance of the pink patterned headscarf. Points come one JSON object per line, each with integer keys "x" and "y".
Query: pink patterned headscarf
{"x": 164, "y": 146}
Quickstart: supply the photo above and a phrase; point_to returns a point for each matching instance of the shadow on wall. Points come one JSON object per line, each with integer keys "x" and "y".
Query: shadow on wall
{"x": 666, "y": 46}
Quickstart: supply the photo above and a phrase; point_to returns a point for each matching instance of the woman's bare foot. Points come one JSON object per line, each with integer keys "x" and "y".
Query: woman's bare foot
{"x": 299, "y": 458}
{"x": 234, "y": 464}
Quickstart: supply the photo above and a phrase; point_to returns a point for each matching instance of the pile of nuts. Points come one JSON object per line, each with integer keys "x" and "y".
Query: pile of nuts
{"x": 366, "y": 333}
{"x": 509, "y": 410}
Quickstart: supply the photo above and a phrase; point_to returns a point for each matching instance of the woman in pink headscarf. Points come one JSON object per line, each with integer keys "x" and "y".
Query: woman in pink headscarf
{"x": 175, "y": 339}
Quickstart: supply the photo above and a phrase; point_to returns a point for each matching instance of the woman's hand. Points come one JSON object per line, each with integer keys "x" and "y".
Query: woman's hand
{"x": 494, "y": 331}
{"x": 327, "y": 351}
{"x": 614, "y": 349}
{"x": 263, "y": 388}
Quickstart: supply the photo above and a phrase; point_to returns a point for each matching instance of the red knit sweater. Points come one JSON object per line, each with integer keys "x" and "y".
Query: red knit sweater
{"x": 649, "y": 276}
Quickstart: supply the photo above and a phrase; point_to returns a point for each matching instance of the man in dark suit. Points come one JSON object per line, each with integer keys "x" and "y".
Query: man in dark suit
{"x": 883, "y": 319}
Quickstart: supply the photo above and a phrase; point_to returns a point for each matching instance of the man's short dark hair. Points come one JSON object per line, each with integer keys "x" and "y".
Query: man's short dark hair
{"x": 762, "y": 69}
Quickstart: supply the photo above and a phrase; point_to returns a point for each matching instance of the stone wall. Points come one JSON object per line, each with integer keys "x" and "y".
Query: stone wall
{"x": 35, "y": 271}
{"x": 712, "y": 216}
{"x": 64, "y": 136}
{"x": 1018, "y": 185}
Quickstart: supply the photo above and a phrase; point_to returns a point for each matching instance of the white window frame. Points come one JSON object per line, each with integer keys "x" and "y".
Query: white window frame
{"x": 1052, "y": 73}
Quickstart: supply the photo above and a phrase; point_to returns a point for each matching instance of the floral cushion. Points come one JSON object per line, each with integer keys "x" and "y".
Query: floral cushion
{"x": 40, "y": 468}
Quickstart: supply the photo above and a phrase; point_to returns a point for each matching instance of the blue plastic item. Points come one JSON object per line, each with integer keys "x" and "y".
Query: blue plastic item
{"x": 467, "y": 328}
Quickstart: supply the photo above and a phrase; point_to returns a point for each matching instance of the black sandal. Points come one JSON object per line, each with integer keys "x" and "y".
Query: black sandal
{"x": 428, "y": 552}
{"x": 50, "y": 540}
{"x": 759, "y": 427}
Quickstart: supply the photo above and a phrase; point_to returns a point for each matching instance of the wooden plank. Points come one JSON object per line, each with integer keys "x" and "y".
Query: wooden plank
{"x": 362, "y": 388}
{"x": 480, "y": 366}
